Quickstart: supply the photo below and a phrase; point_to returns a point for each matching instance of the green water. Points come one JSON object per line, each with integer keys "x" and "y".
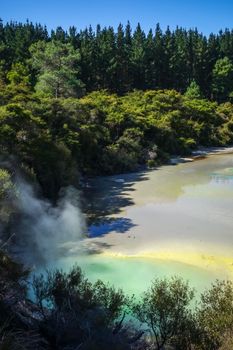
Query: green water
{"x": 135, "y": 275}
{"x": 176, "y": 220}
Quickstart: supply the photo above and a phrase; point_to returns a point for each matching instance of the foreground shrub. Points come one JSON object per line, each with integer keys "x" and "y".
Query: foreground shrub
{"x": 215, "y": 316}
{"x": 165, "y": 309}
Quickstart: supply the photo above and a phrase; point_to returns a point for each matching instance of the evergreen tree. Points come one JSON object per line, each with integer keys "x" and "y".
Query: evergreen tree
{"x": 193, "y": 91}
{"x": 222, "y": 84}
{"x": 122, "y": 61}
{"x": 138, "y": 58}
{"x": 58, "y": 67}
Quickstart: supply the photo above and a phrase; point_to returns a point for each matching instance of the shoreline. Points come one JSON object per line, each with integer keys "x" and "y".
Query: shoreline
{"x": 197, "y": 154}
{"x": 201, "y": 153}
{"x": 205, "y": 151}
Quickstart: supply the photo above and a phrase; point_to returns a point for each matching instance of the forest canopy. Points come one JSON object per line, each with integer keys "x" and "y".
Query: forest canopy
{"x": 101, "y": 101}
{"x": 118, "y": 61}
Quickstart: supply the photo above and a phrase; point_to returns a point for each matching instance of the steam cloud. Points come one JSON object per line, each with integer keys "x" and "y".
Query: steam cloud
{"x": 45, "y": 232}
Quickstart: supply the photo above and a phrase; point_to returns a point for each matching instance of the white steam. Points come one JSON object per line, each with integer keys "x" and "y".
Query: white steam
{"x": 46, "y": 232}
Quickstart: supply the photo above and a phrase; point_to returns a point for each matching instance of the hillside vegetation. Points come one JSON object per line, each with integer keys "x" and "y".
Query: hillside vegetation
{"x": 55, "y": 140}
{"x": 100, "y": 102}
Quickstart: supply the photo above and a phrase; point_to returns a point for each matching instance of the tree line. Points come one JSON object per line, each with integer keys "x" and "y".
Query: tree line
{"x": 119, "y": 61}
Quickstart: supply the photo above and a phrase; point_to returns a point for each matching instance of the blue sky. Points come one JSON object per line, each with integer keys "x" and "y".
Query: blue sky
{"x": 207, "y": 15}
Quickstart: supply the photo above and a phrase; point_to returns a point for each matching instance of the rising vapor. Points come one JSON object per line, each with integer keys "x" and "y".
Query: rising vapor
{"x": 45, "y": 232}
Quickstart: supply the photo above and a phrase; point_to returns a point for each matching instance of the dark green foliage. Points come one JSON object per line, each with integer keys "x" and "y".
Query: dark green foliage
{"x": 82, "y": 314}
{"x": 58, "y": 69}
{"x": 193, "y": 91}
{"x": 70, "y": 312}
{"x": 61, "y": 290}
{"x": 56, "y": 139}
{"x": 215, "y": 316}
{"x": 18, "y": 329}
{"x": 165, "y": 309}
{"x": 6, "y": 185}
{"x": 222, "y": 85}
{"x": 7, "y": 197}
{"x": 11, "y": 273}
{"x": 118, "y": 61}
{"x": 56, "y": 134}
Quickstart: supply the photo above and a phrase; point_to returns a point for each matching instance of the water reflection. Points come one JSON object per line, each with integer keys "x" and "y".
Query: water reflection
{"x": 225, "y": 176}
{"x": 118, "y": 225}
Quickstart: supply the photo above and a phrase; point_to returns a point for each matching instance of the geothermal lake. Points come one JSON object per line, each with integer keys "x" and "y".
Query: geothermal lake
{"x": 176, "y": 220}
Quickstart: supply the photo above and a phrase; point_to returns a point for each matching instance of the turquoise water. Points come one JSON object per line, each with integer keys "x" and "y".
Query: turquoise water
{"x": 134, "y": 275}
